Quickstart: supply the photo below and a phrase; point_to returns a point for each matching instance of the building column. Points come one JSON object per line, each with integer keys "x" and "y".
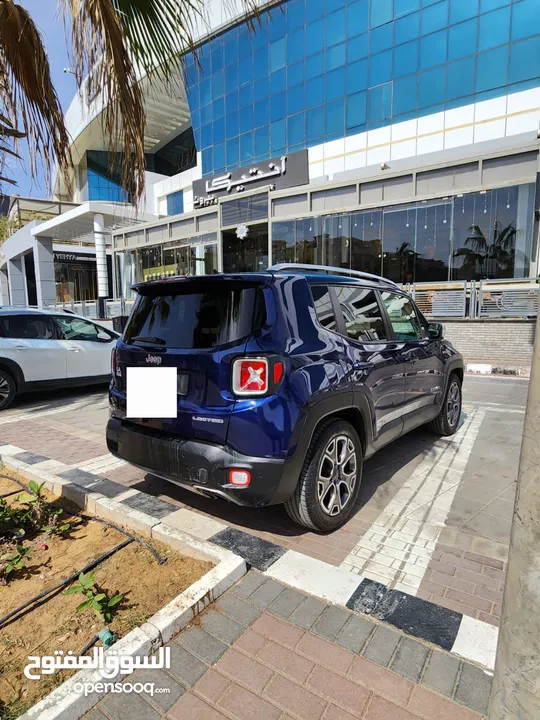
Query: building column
{"x": 16, "y": 281}
{"x": 44, "y": 270}
{"x": 101, "y": 262}
{"x": 4, "y": 287}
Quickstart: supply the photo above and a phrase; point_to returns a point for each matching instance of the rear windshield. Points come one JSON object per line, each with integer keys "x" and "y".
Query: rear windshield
{"x": 195, "y": 320}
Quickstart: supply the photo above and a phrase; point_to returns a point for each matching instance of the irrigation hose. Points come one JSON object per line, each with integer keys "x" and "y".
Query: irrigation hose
{"x": 66, "y": 581}
{"x": 154, "y": 552}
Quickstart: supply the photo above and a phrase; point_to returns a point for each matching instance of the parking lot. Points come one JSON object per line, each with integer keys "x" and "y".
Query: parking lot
{"x": 433, "y": 517}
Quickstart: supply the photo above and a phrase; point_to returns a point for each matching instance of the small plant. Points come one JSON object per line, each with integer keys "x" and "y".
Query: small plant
{"x": 98, "y": 601}
{"x": 11, "y": 563}
{"x": 11, "y": 521}
{"x": 36, "y": 505}
{"x": 53, "y": 528}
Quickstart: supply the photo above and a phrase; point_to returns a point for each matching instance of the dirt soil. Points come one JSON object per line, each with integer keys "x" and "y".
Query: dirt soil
{"x": 54, "y": 623}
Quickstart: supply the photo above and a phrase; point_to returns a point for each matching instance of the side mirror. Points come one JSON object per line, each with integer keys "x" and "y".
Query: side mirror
{"x": 436, "y": 331}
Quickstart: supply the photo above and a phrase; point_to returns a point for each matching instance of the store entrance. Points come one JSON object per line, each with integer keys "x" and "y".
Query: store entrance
{"x": 246, "y": 254}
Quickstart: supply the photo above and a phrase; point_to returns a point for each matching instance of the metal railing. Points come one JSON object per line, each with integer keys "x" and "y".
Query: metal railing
{"x": 89, "y": 308}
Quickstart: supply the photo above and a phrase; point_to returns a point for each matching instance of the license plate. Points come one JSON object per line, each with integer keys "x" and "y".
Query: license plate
{"x": 151, "y": 392}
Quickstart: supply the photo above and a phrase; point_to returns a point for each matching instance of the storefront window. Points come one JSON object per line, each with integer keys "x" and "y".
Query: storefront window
{"x": 75, "y": 281}
{"x": 196, "y": 256}
{"x": 247, "y": 254}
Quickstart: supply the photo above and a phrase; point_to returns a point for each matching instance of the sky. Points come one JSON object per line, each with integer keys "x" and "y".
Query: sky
{"x": 49, "y": 21}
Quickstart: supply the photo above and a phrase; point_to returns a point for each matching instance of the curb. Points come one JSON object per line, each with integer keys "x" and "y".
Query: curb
{"x": 488, "y": 369}
{"x": 65, "y": 703}
{"x": 452, "y": 631}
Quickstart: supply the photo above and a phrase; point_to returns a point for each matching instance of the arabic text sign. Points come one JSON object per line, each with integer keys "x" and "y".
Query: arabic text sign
{"x": 109, "y": 663}
{"x": 281, "y": 172}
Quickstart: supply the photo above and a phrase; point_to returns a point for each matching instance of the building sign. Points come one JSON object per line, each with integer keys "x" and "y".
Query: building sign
{"x": 74, "y": 257}
{"x": 283, "y": 172}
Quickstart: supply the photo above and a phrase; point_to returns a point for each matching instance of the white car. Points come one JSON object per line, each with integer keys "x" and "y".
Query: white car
{"x": 40, "y": 350}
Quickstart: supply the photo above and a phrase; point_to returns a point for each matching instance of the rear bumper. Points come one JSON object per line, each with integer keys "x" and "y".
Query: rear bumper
{"x": 198, "y": 466}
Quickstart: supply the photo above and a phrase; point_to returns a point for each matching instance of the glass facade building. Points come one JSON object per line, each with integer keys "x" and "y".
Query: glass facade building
{"x": 311, "y": 71}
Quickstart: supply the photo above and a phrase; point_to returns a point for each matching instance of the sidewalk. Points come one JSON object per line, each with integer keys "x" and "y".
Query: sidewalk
{"x": 268, "y": 652}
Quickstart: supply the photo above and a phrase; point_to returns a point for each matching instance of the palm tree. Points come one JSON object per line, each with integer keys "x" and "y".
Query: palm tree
{"x": 113, "y": 44}
{"x": 484, "y": 258}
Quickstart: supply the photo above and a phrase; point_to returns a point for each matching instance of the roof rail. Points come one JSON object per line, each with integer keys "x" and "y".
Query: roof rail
{"x": 329, "y": 270}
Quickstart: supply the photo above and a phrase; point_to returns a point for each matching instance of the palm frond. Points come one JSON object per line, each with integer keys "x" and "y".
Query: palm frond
{"x": 27, "y": 96}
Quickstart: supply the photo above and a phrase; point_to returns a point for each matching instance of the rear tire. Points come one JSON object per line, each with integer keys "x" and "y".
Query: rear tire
{"x": 8, "y": 389}
{"x": 447, "y": 421}
{"x": 329, "y": 482}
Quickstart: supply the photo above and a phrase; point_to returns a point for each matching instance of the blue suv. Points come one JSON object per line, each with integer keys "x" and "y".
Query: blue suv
{"x": 287, "y": 380}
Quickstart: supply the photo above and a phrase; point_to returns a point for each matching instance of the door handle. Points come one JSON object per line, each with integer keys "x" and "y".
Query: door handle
{"x": 74, "y": 349}
{"x": 20, "y": 347}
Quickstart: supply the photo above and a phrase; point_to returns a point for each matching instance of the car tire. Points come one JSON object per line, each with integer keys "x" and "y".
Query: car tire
{"x": 8, "y": 389}
{"x": 447, "y": 421}
{"x": 328, "y": 487}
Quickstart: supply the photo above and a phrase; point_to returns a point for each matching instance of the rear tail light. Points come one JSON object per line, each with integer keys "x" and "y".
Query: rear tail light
{"x": 113, "y": 362}
{"x": 241, "y": 478}
{"x": 278, "y": 371}
{"x": 250, "y": 376}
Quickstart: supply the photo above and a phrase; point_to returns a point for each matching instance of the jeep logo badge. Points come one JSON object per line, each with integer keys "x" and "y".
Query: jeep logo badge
{"x": 153, "y": 359}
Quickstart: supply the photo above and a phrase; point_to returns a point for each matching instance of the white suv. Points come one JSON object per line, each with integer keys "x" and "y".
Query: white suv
{"x": 40, "y": 350}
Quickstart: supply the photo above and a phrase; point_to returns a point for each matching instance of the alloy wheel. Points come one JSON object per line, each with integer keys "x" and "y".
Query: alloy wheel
{"x": 337, "y": 474}
{"x": 4, "y": 389}
{"x": 453, "y": 404}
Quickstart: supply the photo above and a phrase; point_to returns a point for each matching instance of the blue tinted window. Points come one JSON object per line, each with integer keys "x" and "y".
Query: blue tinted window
{"x": 406, "y": 59}
{"x": 380, "y": 103}
{"x": 206, "y": 135}
{"x": 402, "y": 7}
{"x": 205, "y": 93}
{"x": 278, "y": 134}
{"x": 407, "y": 28}
{"x": 260, "y": 37}
{"x": 357, "y": 18}
{"x": 261, "y": 113}
{"x": 356, "y": 110}
{"x": 217, "y": 59}
{"x": 261, "y": 89}
{"x": 314, "y": 65}
{"x": 231, "y": 102}
{"x": 433, "y": 49}
{"x": 462, "y": 39}
{"x": 295, "y": 99}
{"x": 101, "y": 188}
{"x": 332, "y": 5}
{"x": 524, "y": 60}
{"x": 295, "y": 73}
{"x": 381, "y": 38}
{"x": 316, "y": 8}
{"x": 278, "y": 81}
{"x": 246, "y": 119}
{"x": 357, "y": 76}
{"x": 492, "y": 69}
{"x": 335, "y": 84}
{"x": 260, "y": 63}
{"x": 336, "y": 28}
{"x": 315, "y": 36}
{"x": 524, "y": 19}
{"x": 315, "y": 123}
{"x": 246, "y": 147}
{"x": 278, "y": 24}
{"x": 380, "y": 68}
{"x": 335, "y": 56}
{"x": 278, "y": 106}
{"x": 314, "y": 92}
{"x": 295, "y": 14}
{"x": 335, "y": 118}
{"x": 487, "y": 5}
{"x": 460, "y": 78}
{"x": 206, "y": 114}
{"x": 233, "y": 152}
{"x": 245, "y": 42}
{"x": 218, "y": 130}
{"x": 278, "y": 54}
{"x": 207, "y": 161}
{"x": 494, "y": 29}
{"x": 231, "y": 77}
{"x": 230, "y": 49}
{"x": 296, "y": 45}
{"x": 431, "y": 87}
{"x": 435, "y": 17}
{"x": 462, "y": 10}
{"x": 219, "y": 156}
{"x": 245, "y": 95}
{"x": 262, "y": 141}
{"x": 380, "y": 12}
{"x": 405, "y": 94}
{"x": 295, "y": 129}
{"x": 231, "y": 124}
{"x": 357, "y": 48}
{"x": 218, "y": 108}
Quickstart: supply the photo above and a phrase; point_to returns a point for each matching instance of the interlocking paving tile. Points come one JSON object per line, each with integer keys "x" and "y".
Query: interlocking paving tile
{"x": 441, "y": 672}
{"x": 108, "y": 488}
{"x": 330, "y": 623}
{"x": 163, "y": 701}
{"x": 80, "y": 477}
{"x": 150, "y": 505}
{"x": 185, "y": 666}
{"x": 258, "y": 553}
{"x": 307, "y": 612}
{"x": 409, "y": 659}
{"x": 30, "y": 458}
{"x": 355, "y": 633}
{"x": 382, "y": 645}
{"x": 120, "y": 706}
{"x": 223, "y": 627}
{"x": 238, "y": 609}
{"x": 474, "y": 688}
{"x": 200, "y": 643}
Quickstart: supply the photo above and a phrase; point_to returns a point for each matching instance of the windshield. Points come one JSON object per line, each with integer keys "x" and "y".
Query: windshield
{"x": 194, "y": 320}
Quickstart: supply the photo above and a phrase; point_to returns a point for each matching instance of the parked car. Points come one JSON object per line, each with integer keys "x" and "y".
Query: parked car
{"x": 40, "y": 350}
{"x": 287, "y": 381}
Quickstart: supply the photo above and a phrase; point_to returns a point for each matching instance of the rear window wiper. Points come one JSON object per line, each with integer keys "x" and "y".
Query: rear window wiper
{"x": 150, "y": 340}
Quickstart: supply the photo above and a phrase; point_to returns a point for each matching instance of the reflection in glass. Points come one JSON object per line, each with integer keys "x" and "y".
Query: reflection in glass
{"x": 336, "y": 247}
{"x": 366, "y": 241}
{"x": 249, "y": 254}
